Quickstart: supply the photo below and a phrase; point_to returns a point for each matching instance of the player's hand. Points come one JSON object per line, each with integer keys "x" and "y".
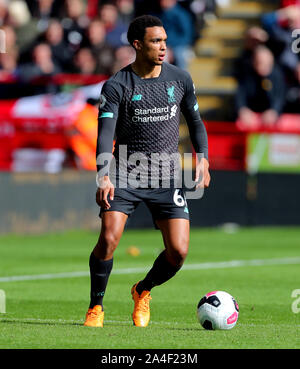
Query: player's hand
{"x": 105, "y": 188}
{"x": 202, "y": 173}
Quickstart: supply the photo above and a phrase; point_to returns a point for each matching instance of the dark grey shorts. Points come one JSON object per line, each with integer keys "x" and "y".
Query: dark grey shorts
{"x": 163, "y": 203}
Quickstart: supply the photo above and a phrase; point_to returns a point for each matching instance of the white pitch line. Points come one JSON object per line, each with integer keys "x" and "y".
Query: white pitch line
{"x": 201, "y": 266}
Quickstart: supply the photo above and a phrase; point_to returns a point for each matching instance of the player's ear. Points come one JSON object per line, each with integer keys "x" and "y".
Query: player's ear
{"x": 137, "y": 44}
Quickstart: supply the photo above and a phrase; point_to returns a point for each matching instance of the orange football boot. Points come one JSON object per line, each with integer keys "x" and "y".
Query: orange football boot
{"x": 94, "y": 317}
{"x": 141, "y": 311}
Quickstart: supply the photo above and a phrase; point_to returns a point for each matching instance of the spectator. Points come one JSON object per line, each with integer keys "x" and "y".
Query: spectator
{"x": 279, "y": 26}
{"x": 10, "y": 37}
{"x": 204, "y": 12}
{"x": 85, "y": 62}
{"x": 25, "y": 27}
{"x": 293, "y": 93}
{"x": 126, "y": 11}
{"x": 116, "y": 31}
{"x": 43, "y": 12}
{"x": 125, "y": 55}
{"x": 40, "y": 69}
{"x": 74, "y": 23}
{"x": 104, "y": 53}
{"x": 9, "y": 74}
{"x": 46, "y": 8}
{"x": 3, "y": 11}
{"x": 180, "y": 29}
{"x": 254, "y": 37}
{"x": 261, "y": 90}
{"x": 83, "y": 136}
{"x": 9, "y": 65}
{"x": 54, "y": 37}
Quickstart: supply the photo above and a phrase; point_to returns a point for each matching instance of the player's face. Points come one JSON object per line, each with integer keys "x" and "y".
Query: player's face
{"x": 153, "y": 48}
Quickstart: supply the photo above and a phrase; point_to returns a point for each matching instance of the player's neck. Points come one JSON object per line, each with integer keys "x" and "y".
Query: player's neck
{"x": 146, "y": 71}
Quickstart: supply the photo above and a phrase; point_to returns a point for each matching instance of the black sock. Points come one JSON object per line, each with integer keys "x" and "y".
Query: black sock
{"x": 99, "y": 271}
{"x": 160, "y": 272}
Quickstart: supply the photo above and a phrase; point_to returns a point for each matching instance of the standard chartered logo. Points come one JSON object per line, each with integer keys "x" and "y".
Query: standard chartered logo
{"x": 154, "y": 114}
{"x": 173, "y": 111}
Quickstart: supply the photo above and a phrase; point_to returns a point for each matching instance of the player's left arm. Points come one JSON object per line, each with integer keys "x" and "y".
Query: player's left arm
{"x": 190, "y": 109}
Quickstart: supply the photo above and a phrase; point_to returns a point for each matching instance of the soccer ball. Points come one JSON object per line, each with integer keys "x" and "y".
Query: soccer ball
{"x": 217, "y": 310}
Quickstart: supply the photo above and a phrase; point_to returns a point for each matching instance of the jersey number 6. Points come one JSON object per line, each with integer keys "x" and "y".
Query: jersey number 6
{"x": 178, "y": 198}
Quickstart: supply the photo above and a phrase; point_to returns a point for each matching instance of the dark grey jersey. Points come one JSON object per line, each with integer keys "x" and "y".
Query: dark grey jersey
{"x": 144, "y": 114}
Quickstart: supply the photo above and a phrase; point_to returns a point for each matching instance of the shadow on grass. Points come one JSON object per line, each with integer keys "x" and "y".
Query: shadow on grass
{"x": 38, "y": 322}
{"x": 80, "y": 324}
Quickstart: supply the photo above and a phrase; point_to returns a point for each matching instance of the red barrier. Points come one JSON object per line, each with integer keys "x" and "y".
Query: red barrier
{"x": 36, "y": 122}
{"x": 39, "y": 122}
{"x": 69, "y": 79}
{"x": 227, "y": 146}
{"x": 286, "y": 123}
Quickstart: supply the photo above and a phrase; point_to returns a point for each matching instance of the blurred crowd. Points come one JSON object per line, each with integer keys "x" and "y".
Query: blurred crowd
{"x": 87, "y": 37}
{"x": 55, "y": 45}
{"x": 268, "y": 71}
{"x": 45, "y": 38}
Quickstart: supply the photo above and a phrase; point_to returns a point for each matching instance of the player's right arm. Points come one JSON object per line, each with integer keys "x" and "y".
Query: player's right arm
{"x": 107, "y": 117}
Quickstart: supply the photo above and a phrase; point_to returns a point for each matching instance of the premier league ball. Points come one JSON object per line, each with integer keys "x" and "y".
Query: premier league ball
{"x": 217, "y": 310}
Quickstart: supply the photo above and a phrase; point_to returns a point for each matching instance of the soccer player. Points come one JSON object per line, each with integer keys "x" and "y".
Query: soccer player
{"x": 140, "y": 107}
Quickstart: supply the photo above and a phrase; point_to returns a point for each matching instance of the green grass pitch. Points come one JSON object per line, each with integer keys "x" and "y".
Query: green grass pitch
{"x": 48, "y": 311}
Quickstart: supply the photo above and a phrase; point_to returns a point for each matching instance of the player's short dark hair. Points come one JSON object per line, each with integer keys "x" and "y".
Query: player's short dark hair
{"x": 137, "y": 28}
